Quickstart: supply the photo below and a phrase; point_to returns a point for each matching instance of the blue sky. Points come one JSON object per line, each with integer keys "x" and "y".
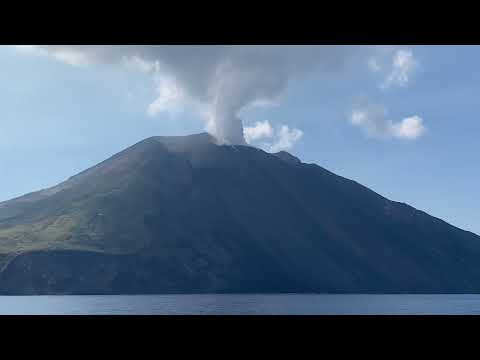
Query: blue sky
{"x": 58, "y": 119}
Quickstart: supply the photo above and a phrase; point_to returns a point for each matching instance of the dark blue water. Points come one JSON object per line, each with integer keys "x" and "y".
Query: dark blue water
{"x": 242, "y": 304}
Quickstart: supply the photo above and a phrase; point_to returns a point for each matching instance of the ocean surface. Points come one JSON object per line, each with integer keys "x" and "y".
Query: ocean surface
{"x": 291, "y": 304}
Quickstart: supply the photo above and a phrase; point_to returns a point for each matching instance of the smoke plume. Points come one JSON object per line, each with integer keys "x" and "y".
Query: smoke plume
{"x": 227, "y": 79}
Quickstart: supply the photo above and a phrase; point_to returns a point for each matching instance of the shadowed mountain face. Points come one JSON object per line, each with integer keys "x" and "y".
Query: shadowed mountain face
{"x": 185, "y": 215}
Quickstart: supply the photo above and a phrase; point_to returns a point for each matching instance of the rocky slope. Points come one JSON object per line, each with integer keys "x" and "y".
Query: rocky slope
{"x": 185, "y": 215}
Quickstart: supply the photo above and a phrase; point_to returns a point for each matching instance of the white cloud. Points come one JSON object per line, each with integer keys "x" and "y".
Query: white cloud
{"x": 409, "y": 128}
{"x": 272, "y": 140}
{"x": 286, "y": 138}
{"x": 373, "y": 120}
{"x": 404, "y": 65}
{"x": 169, "y": 98}
{"x": 261, "y": 130}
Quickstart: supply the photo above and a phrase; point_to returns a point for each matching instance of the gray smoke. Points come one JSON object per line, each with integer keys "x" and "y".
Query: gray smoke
{"x": 227, "y": 78}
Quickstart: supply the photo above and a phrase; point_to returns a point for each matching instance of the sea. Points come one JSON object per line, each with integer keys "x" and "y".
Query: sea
{"x": 254, "y": 304}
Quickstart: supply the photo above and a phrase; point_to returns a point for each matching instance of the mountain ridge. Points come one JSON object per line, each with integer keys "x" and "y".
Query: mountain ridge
{"x": 185, "y": 214}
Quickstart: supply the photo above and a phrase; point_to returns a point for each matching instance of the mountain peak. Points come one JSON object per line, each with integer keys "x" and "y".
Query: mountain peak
{"x": 184, "y": 214}
{"x": 187, "y": 140}
{"x": 287, "y": 157}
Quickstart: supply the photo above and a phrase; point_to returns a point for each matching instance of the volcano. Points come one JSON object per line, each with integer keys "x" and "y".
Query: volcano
{"x": 186, "y": 215}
